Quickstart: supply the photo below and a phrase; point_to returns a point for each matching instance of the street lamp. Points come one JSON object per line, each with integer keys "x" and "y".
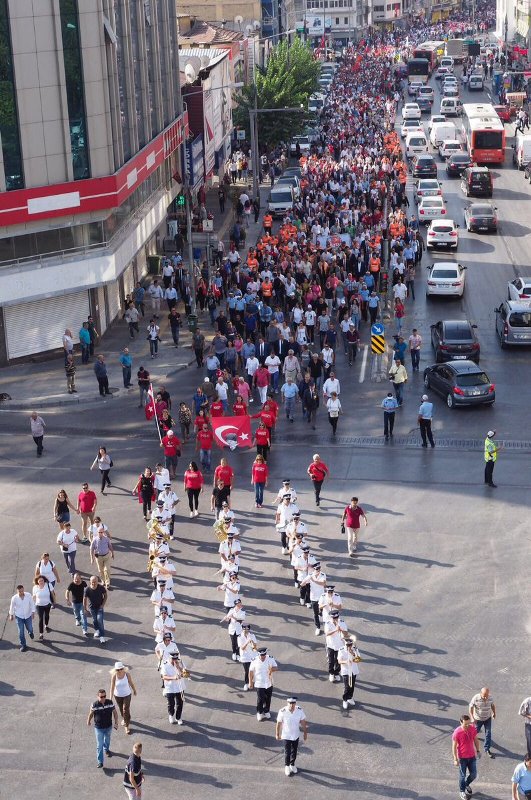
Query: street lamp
{"x": 253, "y": 112}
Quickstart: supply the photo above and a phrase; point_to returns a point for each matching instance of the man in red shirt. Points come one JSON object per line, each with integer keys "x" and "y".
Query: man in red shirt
{"x": 216, "y": 409}
{"x": 351, "y": 520}
{"x": 465, "y": 750}
{"x": 317, "y": 472}
{"x": 225, "y": 473}
{"x": 86, "y": 506}
{"x": 204, "y": 440}
{"x": 172, "y": 450}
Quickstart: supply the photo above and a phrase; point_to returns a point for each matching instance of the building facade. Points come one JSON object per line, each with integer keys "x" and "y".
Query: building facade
{"x": 91, "y": 126}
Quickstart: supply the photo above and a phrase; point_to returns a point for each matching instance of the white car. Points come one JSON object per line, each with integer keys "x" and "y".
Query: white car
{"x": 410, "y": 126}
{"x": 441, "y": 73}
{"x": 448, "y": 62}
{"x": 448, "y": 147}
{"x": 411, "y": 111}
{"x": 434, "y": 120}
{"x": 427, "y": 187}
{"x": 431, "y": 208}
{"x": 449, "y": 79}
{"x": 442, "y": 233}
{"x": 446, "y": 278}
{"x": 304, "y": 144}
{"x": 413, "y": 88}
{"x": 519, "y": 289}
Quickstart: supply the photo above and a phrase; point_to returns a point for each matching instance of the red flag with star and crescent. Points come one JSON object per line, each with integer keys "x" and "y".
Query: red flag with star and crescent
{"x": 232, "y": 432}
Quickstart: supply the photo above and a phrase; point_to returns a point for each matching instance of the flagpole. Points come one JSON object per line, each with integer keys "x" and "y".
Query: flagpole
{"x": 151, "y": 394}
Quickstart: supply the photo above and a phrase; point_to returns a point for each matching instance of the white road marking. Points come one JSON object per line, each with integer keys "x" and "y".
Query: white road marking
{"x": 364, "y": 363}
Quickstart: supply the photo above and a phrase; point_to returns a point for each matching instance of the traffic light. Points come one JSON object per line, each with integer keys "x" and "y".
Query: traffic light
{"x": 181, "y": 200}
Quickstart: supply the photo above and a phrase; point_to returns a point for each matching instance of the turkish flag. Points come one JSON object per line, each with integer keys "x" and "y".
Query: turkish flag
{"x": 232, "y": 432}
{"x": 150, "y": 405}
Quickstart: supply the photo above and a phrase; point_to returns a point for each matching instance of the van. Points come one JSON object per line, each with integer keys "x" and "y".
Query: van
{"x": 522, "y": 150}
{"x": 440, "y": 131}
{"x": 416, "y": 143}
{"x": 477, "y": 182}
{"x": 451, "y": 107}
{"x": 513, "y": 322}
{"x": 316, "y": 103}
{"x": 447, "y": 61}
{"x": 280, "y": 200}
{"x": 475, "y": 82}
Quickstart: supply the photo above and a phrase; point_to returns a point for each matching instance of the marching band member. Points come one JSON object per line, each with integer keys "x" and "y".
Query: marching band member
{"x": 231, "y": 587}
{"x": 164, "y": 568}
{"x": 317, "y": 581}
{"x": 247, "y": 650}
{"x": 235, "y": 616}
{"x": 226, "y": 512}
{"x": 163, "y": 624}
{"x": 163, "y": 649}
{"x": 230, "y": 565}
{"x": 170, "y": 501}
{"x": 295, "y": 545}
{"x": 335, "y": 631}
{"x": 229, "y": 547}
{"x": 174, "y": 674}
{"x": 284, "y": 515}
{"x": 291, "y": 719}
{"x": 304, "y": 565}
{"x": 286, "y": 488}
{"x": 261, "y": 679}
{"x": 348, "y": 658}
{"x": 329, "y": 601}
{"x": 161, "y": 596}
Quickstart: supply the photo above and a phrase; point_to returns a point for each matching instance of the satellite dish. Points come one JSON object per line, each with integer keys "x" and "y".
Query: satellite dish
{"x": 248, "y": 29}
{"x": 256, "y": 25}
{"x": 238, "y": 20}
{"x": 190, "y": 73}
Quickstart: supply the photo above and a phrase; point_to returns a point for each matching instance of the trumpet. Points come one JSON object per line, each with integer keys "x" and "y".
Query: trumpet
{"x": 151, "y": 562}
{"x": 220, "y": 530}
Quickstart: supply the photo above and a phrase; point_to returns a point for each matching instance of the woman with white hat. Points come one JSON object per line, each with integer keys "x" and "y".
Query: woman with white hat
{"x": 122, "y": 687}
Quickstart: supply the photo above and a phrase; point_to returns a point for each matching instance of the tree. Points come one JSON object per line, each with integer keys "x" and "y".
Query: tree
{"x": 288, "y": 80}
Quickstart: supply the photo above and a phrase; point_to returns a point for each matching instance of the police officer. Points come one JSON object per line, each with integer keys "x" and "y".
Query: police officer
{"x": 491, "y": 456}
{"x": 389, "y": 405}
{"x": 424, "y": 419}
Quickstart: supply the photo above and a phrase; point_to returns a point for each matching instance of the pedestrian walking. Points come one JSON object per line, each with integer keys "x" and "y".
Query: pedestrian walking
{"x": 175, "y": 322}
{"x": 424, "y": 419}
{"x": 22, "y": 610}
{"x": 68, "y": 344}
{"x": 259, "y": 477}
{"x": 37, "y": 431}
{"x": 521, "y": 780}
{"x": 70, "y": 371}
{"x": 389, "y": 405}
{"x": 316, "y": 581}
{"x": 104, "y": 463}
{"x": 235, "y": 616}
{"x": 317, "y": 471}
{"x": 171, "y": 445}
{"x": 193, "y": 486}
{"x": 221, "y": 199}
{"x": 261, "y": 678}
{"x": 121, "y": 691}
{"x": 44, "y": 600}
{"x": 131, "y": 316}
{"x": 352, "y": 515}
{"x": 61, "y": 508}
{"x": 333, "y": 405}
{"x": 153, "y": 338}
{"x": 415, "y": 344}
{"x": 126, "y": 360}
{"x": 525, "y": 712}
{"x": 491, "y": 456}
{"x": 398, "y": 375}
{"x": 46, "y": 567}
{"x": 102, "y": 552}
{"x": 133, "y": 775}
{"x": 67, "y": 541}
{"x": 93, "y": 333}
{"x": 100, "y": 370}
{"x": 74, "y": 596}
{"x": 465, "y": 751}
{"x": 86, "y": 506}
{"x": 335, "y": 630}
{"x": 482, "y": 711}
{"x": 348, "y": 658}
{"x": 173, "y": 674}
{"x": 262, "y": 440}
{"x": 290, "y": 396}
{"x": 84, "y": 341}
{"x": 291, "y": 719}
{"x": 94, "y": 601}
{"x": 143, "y": 386}
{"x": 145, "y": 490}
{"x": 103, "y": 712}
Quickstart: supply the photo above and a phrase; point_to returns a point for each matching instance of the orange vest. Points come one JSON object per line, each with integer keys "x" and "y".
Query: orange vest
{"x": 268, "y": 220}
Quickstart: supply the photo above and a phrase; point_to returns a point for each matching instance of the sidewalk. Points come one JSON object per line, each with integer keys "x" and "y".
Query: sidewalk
{"x": 43, "y": 384}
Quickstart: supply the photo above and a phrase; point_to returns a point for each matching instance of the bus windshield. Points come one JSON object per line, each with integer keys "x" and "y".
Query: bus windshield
{"x": 418, "y": 66}
{"x": 488, "y": 140}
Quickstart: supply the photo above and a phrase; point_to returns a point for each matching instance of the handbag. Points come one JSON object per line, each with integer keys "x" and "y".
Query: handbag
{"x": 342, "y": 527}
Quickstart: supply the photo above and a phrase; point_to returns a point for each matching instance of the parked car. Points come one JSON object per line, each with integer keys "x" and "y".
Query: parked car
{"x": 442, "y": 233}
{"x": 446, "y": 279}
{"x": 513, "y": 322}
{"x": 427, "y": 187}
{"x": 454, "y": 339}
{"x": 424, "y": 167}
{"x": 481, "y": 217}
{"x": 461, "y": 383}
{"x": 519, "y": 289}
{"x": 457, "y": 163}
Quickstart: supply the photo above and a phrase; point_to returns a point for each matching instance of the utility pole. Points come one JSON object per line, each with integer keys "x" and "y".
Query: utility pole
{"x": 254, "y": 145}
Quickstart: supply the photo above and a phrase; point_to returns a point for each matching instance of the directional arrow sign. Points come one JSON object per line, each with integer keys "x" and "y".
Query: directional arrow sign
{"x": 377, "y": 329}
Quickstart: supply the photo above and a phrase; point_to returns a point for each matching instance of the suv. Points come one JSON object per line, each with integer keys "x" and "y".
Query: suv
{"x": 477, "y": 181}
{"x": 513, "y": 322}
{"x": 425, "y": 166}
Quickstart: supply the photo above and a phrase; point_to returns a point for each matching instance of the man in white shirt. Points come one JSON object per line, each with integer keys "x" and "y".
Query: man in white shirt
{"x": 222, "y": 391}
{"x": 330, "y": 385}
{"x": 251, "y": 365}
{"x": 235, "y": 616}
{"x": 290, "y": 720}
{"x": 247, "y": 648}
{"x": 349, "y": 669}
{"x": 163, "y": 649}
{"x": 304, "y": 564}
{"x": 329, "y": 601}
{"x": 163, "y": 624}
{"x": 171, "y": 296}
{"x": 283, "y": 516}
{"x": 328, "y": 359}
{"x": 156, "y": 294}
{"x": 22, "y": 610}
{"x": 317, "y": 581}
{"x": 230, "y": 547}
{"x": 173, "y": 678}
{"x": 260, "y": 678}
{"x": 335, "y": 631}
{"x": 162, "y": 596}
{"x": 170, "y": 500}
{"x": 400, "y": 290}
{"x": 310, "y": 318}
{"x": 286, "y": 488}
{"x": 162, "y": 477}
{"x": 272, "y": 363}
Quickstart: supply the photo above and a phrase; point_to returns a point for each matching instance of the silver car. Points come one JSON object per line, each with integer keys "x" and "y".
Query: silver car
{"x": 513, "y": 322}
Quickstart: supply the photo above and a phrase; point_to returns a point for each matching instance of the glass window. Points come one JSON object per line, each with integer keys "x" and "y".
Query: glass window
{"x": 136, "y": 45}
{"x": 75, "y": 92}
{"x": 122, "y": 82}
{"x": 9, "y": 127}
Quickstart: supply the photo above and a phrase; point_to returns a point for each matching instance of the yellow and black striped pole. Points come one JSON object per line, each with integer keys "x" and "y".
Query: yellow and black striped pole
{"x": 377, "y": 339}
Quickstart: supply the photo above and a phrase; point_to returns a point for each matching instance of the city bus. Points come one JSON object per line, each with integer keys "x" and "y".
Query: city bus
{"x": 484, "y": 134}
{"x": 418, "y": 69}
{"x": 431, "y": 51}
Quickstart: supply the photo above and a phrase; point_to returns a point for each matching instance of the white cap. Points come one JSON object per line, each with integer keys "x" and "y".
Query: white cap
{"x": 424, "y": 397}
{"x": 491, "y": 433}
{"x": 207, "y": 380}
{"x": 169, "y": 433}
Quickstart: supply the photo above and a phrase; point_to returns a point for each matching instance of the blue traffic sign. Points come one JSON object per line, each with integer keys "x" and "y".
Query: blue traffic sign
{"x": 377, "y": 329}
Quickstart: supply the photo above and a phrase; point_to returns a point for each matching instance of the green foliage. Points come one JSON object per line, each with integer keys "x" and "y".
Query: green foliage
{"x": 288, "y": 80}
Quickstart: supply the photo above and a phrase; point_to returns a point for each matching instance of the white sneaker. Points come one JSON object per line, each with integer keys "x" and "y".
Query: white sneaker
{"x": 293, "y": 769}
{"x": 295, "y": 583}
{"x": 267, "y": 715}
{"x": 308, "y": 605}
{"x": 284, "y": 551}
{"x": 234, "y": 657}
{"x": 192, "y": 514}
{"x": 318, "y": 633}
{"x": 102, "y": 639}
{"x": 301, "y": 600}
{"x": 351, "y": 703}
{"x": 96, "y": 634}
{"x": 179, "y": 722}
{"x": 245, "y": 687}
{"x": 331, "y": 678}
{"x": 171, "y": 719}
{"x": 463, "y": 796}
{"x": 78, "y": 623}
{"x": 337, "y": 678}
{"x": 287, "y": 771}
{"x": 345, "y": 705}
{"x": 259, "y": 717}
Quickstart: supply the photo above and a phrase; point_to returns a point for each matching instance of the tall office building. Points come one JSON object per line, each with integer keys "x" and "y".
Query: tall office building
{"x": 90, "y": 125}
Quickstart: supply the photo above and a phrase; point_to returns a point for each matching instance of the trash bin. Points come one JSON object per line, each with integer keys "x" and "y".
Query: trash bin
{"x": 192, "y": 323}
{"x": 154, "y": 265}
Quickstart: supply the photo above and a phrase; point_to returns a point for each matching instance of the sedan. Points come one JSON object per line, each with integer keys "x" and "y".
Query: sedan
{"x": 431, "y": 208}
{"x": 450, "y": 90}
{"x": 427, "y": 187}
{"x": 441, "y": 73}
{"x": 457, "y": 163}
{"x": 446, "y": 279}
{"x": 426, "y": 91}
{"x": 448, "y": 147}
{"x": 481, "y": 217}
{"x": 454, "y": 339}
{"x": 442, "y": 233}
{"x": 410, "y": 126}
{"x": 425, "y": 167}
{"x": 413, "y": 88}
{"x": 505, "y": 113}
{"x": 411, "y": 111}
{"x": 519, "y": 289}
{"x": 461, "y": 384}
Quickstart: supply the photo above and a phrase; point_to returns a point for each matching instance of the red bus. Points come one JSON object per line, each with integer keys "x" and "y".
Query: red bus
{"x": 484, "y": 133}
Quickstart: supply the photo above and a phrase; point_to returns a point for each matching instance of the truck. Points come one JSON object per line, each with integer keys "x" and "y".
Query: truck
{"x": 457, "y": 49}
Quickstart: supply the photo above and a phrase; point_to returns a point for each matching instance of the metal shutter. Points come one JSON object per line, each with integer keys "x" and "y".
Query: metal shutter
{"x": 102, "y": 310}
{"x": 129, "y": 279}
{"x": 113, "y": 297}
{"x": 39, "y": 326}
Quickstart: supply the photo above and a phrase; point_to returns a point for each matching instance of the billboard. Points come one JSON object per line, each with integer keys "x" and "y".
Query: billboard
{"x": 318, "y": 24}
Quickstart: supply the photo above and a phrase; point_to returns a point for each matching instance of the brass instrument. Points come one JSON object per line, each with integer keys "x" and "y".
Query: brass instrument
{"x": 155, "y": 528}
{"x": 220, "y": 530}
{"x": 151, "y": 562}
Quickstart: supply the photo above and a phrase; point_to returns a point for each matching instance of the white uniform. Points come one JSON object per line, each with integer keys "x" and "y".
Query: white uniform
{"x": 304, "y": 566}
{"x": 177, "y": 684}
{"x": 261, "y": 671}
{"x": 158, "y": 599}
{"x": 169, "y": 499}
{"x": 161, "y": 627}
{"x": 281, "y": 492}
{"x": 348, "y": 666}
{"x": 245, "y": 642}
{"x": 235, "y": 617}
{"x": 228, "y": 548}
{"x": 232, "y": 591}
{"x": 285, "y": 515}
{"x": 317, "y": 581}
{"x": 333, "y": 629}
{"x": 162, "y": 651}
{"x": 328, "y": 603}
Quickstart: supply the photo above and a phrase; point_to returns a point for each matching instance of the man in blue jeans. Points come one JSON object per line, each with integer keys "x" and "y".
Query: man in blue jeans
{"x": 84, "y": 341}
{"x": 483, "y": 711}
{"x": 22, "y": 609}
{"x": 102, "y": 711}
{"x": 465, "y": 751}
{"x": 290, "y": 396}
{"x": 94, "y": 601}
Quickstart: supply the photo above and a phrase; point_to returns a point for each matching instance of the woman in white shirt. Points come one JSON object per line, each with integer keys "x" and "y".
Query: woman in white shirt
{"x": 122, "y": 687}
{"x": 300, "y": 334}
{"x": 333, "y": 405}
{"x": 104, "y": 462}
{"x": 47, "y": 568}
{"x": 68, "y": 540}
{"x": 153, "y": 338}
{"x": 43, "y": 597}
